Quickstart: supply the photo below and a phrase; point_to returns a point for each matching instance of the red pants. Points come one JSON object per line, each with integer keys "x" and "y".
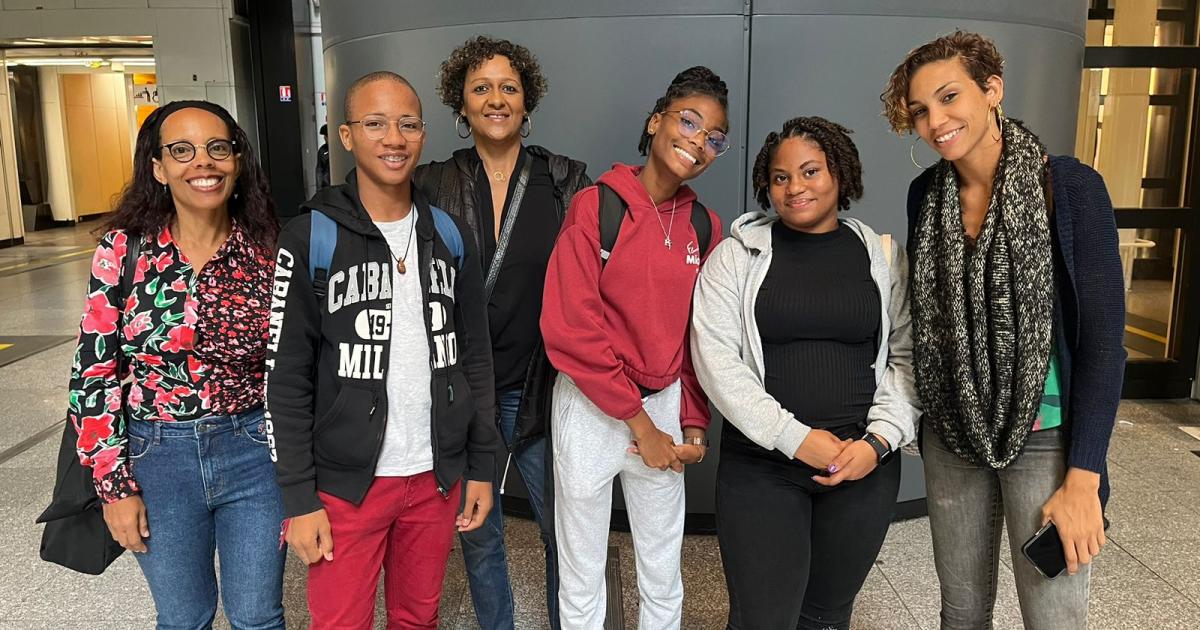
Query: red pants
{"x": 403, "y": 526}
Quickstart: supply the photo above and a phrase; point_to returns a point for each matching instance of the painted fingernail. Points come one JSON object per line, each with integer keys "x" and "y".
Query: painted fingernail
{"x": 833, "y": 468}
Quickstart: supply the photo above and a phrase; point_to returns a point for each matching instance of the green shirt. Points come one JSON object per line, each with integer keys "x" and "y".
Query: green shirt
{"x": 1050, "y": 413}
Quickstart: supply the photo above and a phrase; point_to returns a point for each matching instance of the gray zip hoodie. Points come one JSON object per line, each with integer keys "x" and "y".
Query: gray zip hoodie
{"x": 727, "y": 349}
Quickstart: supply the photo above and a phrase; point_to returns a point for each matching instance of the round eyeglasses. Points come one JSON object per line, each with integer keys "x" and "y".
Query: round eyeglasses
{"x": 716, "y": 143}
{"x": 376, "y": 127}
{"x": 183, "y": 151}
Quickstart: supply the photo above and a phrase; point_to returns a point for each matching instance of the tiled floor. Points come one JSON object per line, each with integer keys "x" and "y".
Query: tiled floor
{"x": 1148, "y": 577}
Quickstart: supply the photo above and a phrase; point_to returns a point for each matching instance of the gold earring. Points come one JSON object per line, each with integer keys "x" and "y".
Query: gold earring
{"x": 912, "y": 153}
{"x": 999, "y": 122}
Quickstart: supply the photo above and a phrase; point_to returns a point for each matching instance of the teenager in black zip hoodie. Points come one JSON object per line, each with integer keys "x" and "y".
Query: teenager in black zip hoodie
{"x": 380, "y": 389}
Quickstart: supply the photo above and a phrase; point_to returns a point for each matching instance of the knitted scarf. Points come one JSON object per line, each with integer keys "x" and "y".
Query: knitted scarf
{"x": 982, "y": 320}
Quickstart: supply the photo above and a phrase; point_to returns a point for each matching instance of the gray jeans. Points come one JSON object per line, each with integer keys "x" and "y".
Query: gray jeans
{"x": 967, "y": 504}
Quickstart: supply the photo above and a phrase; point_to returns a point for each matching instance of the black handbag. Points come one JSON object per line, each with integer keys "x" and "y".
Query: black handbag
{"x": 76, "y": 535}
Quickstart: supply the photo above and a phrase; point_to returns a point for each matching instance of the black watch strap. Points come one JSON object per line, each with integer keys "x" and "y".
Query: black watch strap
{"x": 882, "y": 452}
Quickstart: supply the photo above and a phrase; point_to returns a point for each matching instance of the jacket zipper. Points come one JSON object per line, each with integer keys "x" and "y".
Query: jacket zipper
{"x": 427, "y": 251}
{"x": 379, "y": 432}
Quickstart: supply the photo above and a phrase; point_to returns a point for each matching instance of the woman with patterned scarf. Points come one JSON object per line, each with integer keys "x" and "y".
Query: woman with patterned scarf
{"x": 1018, "y": 317}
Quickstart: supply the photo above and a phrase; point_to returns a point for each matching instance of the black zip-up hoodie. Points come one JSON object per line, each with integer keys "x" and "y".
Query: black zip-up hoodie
{"x": 327, "y": 360}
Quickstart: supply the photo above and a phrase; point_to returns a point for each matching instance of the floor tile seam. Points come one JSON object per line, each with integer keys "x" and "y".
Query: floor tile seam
{"x": 36, "y": 266}
{"x": 896, "y": 592}
{"x": 1156, "y": 574}
{"x": 21, "y": 447}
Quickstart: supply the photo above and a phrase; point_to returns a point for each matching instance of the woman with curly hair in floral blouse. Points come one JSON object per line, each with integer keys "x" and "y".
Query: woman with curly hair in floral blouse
{"x": 173, "y": 430}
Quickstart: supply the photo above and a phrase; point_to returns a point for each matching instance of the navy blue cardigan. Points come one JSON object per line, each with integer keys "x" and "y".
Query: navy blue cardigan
{"x": 1089, "y": 306}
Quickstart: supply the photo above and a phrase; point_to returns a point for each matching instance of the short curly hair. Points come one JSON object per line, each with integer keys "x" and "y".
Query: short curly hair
{"x": 477, "y": 51}
{"x": 978, "y": 53}
{"x": 833, "y": 139}
{"x": 697, "y": 80}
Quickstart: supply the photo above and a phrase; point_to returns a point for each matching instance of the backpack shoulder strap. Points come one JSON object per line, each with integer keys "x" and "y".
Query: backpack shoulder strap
{"x": 322, "y": 240}
{"x": 133, "y": 250}
{"x": 885, "y": 240}
{"x": 612, "y": 213}
{"x": 703, "y": 226}
{"x": 448, "y": 231}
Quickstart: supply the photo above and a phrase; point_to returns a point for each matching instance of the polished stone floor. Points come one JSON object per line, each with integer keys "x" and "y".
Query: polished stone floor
{"x": 1148, "y": 577}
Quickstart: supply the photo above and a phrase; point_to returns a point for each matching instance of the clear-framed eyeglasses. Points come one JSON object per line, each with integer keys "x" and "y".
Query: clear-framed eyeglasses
{"x": 376, "y": 127}
{"x": 716, "y": 143}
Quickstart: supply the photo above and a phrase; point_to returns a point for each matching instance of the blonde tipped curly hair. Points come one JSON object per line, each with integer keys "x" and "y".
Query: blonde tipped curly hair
{"x": 978, "y": 54}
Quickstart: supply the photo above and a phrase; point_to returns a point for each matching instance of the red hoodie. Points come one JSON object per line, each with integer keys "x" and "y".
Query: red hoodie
{"x": 627, "y": 326}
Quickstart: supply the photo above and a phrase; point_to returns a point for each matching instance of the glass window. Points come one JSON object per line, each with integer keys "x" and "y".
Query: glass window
{"x": 1142, "y": 23}
{"x": 1149, "y": 263}
{"x": 1134, "y": 128}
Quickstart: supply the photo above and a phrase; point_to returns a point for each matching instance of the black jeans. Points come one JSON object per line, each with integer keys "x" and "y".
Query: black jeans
{"x": 795, "y": 552}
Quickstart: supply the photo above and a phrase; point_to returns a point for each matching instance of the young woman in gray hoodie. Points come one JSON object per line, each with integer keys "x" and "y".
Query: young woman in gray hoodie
{"x": 800, "y": 337}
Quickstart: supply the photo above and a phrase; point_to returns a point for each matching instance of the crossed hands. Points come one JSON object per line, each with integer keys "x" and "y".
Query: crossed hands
{"x": 845, "y": 460}
{"x": 658, "y": 449}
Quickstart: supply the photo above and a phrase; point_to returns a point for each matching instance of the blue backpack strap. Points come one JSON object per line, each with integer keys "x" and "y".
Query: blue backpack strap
{"x": 322, "y": 240}
{"x": 448, "y": 231}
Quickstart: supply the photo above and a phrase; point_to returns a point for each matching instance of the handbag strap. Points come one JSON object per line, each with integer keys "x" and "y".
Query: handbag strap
{"x": 514, "y": 206}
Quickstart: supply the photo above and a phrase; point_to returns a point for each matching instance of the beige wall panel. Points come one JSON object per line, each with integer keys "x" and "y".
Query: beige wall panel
{"x": 108, "y": 144}
{"x": 76, "y": 90}
{"x": 85, "y": 169}
{"x": 102, "y": 90}
{"x": 123, "y": 127}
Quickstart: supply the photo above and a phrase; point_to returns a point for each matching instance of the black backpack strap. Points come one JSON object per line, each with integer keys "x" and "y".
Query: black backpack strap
{"x": 703, "y": 226}
{"x": 133, "y": 251}
{"x": 612, "y": 213}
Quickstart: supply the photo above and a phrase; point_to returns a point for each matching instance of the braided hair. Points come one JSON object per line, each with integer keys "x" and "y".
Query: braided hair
{"x": 833, "y": 139}
{"x": 695, "y": 81}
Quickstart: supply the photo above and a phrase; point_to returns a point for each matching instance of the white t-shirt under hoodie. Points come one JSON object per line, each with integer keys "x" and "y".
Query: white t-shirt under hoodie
{"x": 407, "y": 446}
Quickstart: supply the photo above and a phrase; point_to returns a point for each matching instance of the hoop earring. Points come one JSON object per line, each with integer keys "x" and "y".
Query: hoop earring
{"x": 525, "y": 132}
{"x": 999, "y": 122}
{"x": 912, "y": 154}
{"x": 457, "y": 126}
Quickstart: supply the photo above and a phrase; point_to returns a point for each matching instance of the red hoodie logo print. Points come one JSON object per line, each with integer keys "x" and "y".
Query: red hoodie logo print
{"x": 693, "y": 253}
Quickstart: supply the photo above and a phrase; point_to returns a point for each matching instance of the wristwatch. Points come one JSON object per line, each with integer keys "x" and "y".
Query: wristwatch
{"x": 698, "y": 441}
{"x": 882, "y": 452}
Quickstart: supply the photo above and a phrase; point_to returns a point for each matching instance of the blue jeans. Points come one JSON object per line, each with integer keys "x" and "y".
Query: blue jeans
{"x": 483, "y": 549}
{"x": 209, "y": 486}
{"x": 968, "y": 505}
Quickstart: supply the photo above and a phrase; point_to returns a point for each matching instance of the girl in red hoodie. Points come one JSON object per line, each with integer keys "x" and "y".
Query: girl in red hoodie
{"x": 627, "y": 401}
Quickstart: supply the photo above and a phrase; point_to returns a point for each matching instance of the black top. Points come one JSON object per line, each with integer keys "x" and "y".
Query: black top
{"x": 818, "y": 313}
{"x": 516, "y": 301}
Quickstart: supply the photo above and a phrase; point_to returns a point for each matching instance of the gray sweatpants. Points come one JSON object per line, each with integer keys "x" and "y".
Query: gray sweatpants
{"x": 589, "y": 451}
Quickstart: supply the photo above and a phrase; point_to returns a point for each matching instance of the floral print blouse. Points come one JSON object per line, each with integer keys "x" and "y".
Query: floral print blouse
{"x": 194, "y": 343}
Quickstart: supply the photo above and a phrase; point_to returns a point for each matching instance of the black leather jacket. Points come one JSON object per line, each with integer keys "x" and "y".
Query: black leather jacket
{"x": 450, "y": 185}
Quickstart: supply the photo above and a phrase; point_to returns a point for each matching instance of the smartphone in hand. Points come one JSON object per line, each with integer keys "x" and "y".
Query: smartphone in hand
{"x": 1045, "y": 551}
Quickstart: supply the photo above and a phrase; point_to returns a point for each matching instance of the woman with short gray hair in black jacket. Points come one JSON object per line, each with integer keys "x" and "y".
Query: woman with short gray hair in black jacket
{"x": 513, "y": 198}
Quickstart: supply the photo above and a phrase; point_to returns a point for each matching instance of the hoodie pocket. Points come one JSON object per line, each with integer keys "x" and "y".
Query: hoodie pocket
{"x": 346, "y": 435}
{"x": 459, "y": 405}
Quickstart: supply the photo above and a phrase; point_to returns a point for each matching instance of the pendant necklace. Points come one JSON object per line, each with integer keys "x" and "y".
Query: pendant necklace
{"x": 407, "y": 243}
{"x": 499, "y": 175}
{"x": 666, "y": 229}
